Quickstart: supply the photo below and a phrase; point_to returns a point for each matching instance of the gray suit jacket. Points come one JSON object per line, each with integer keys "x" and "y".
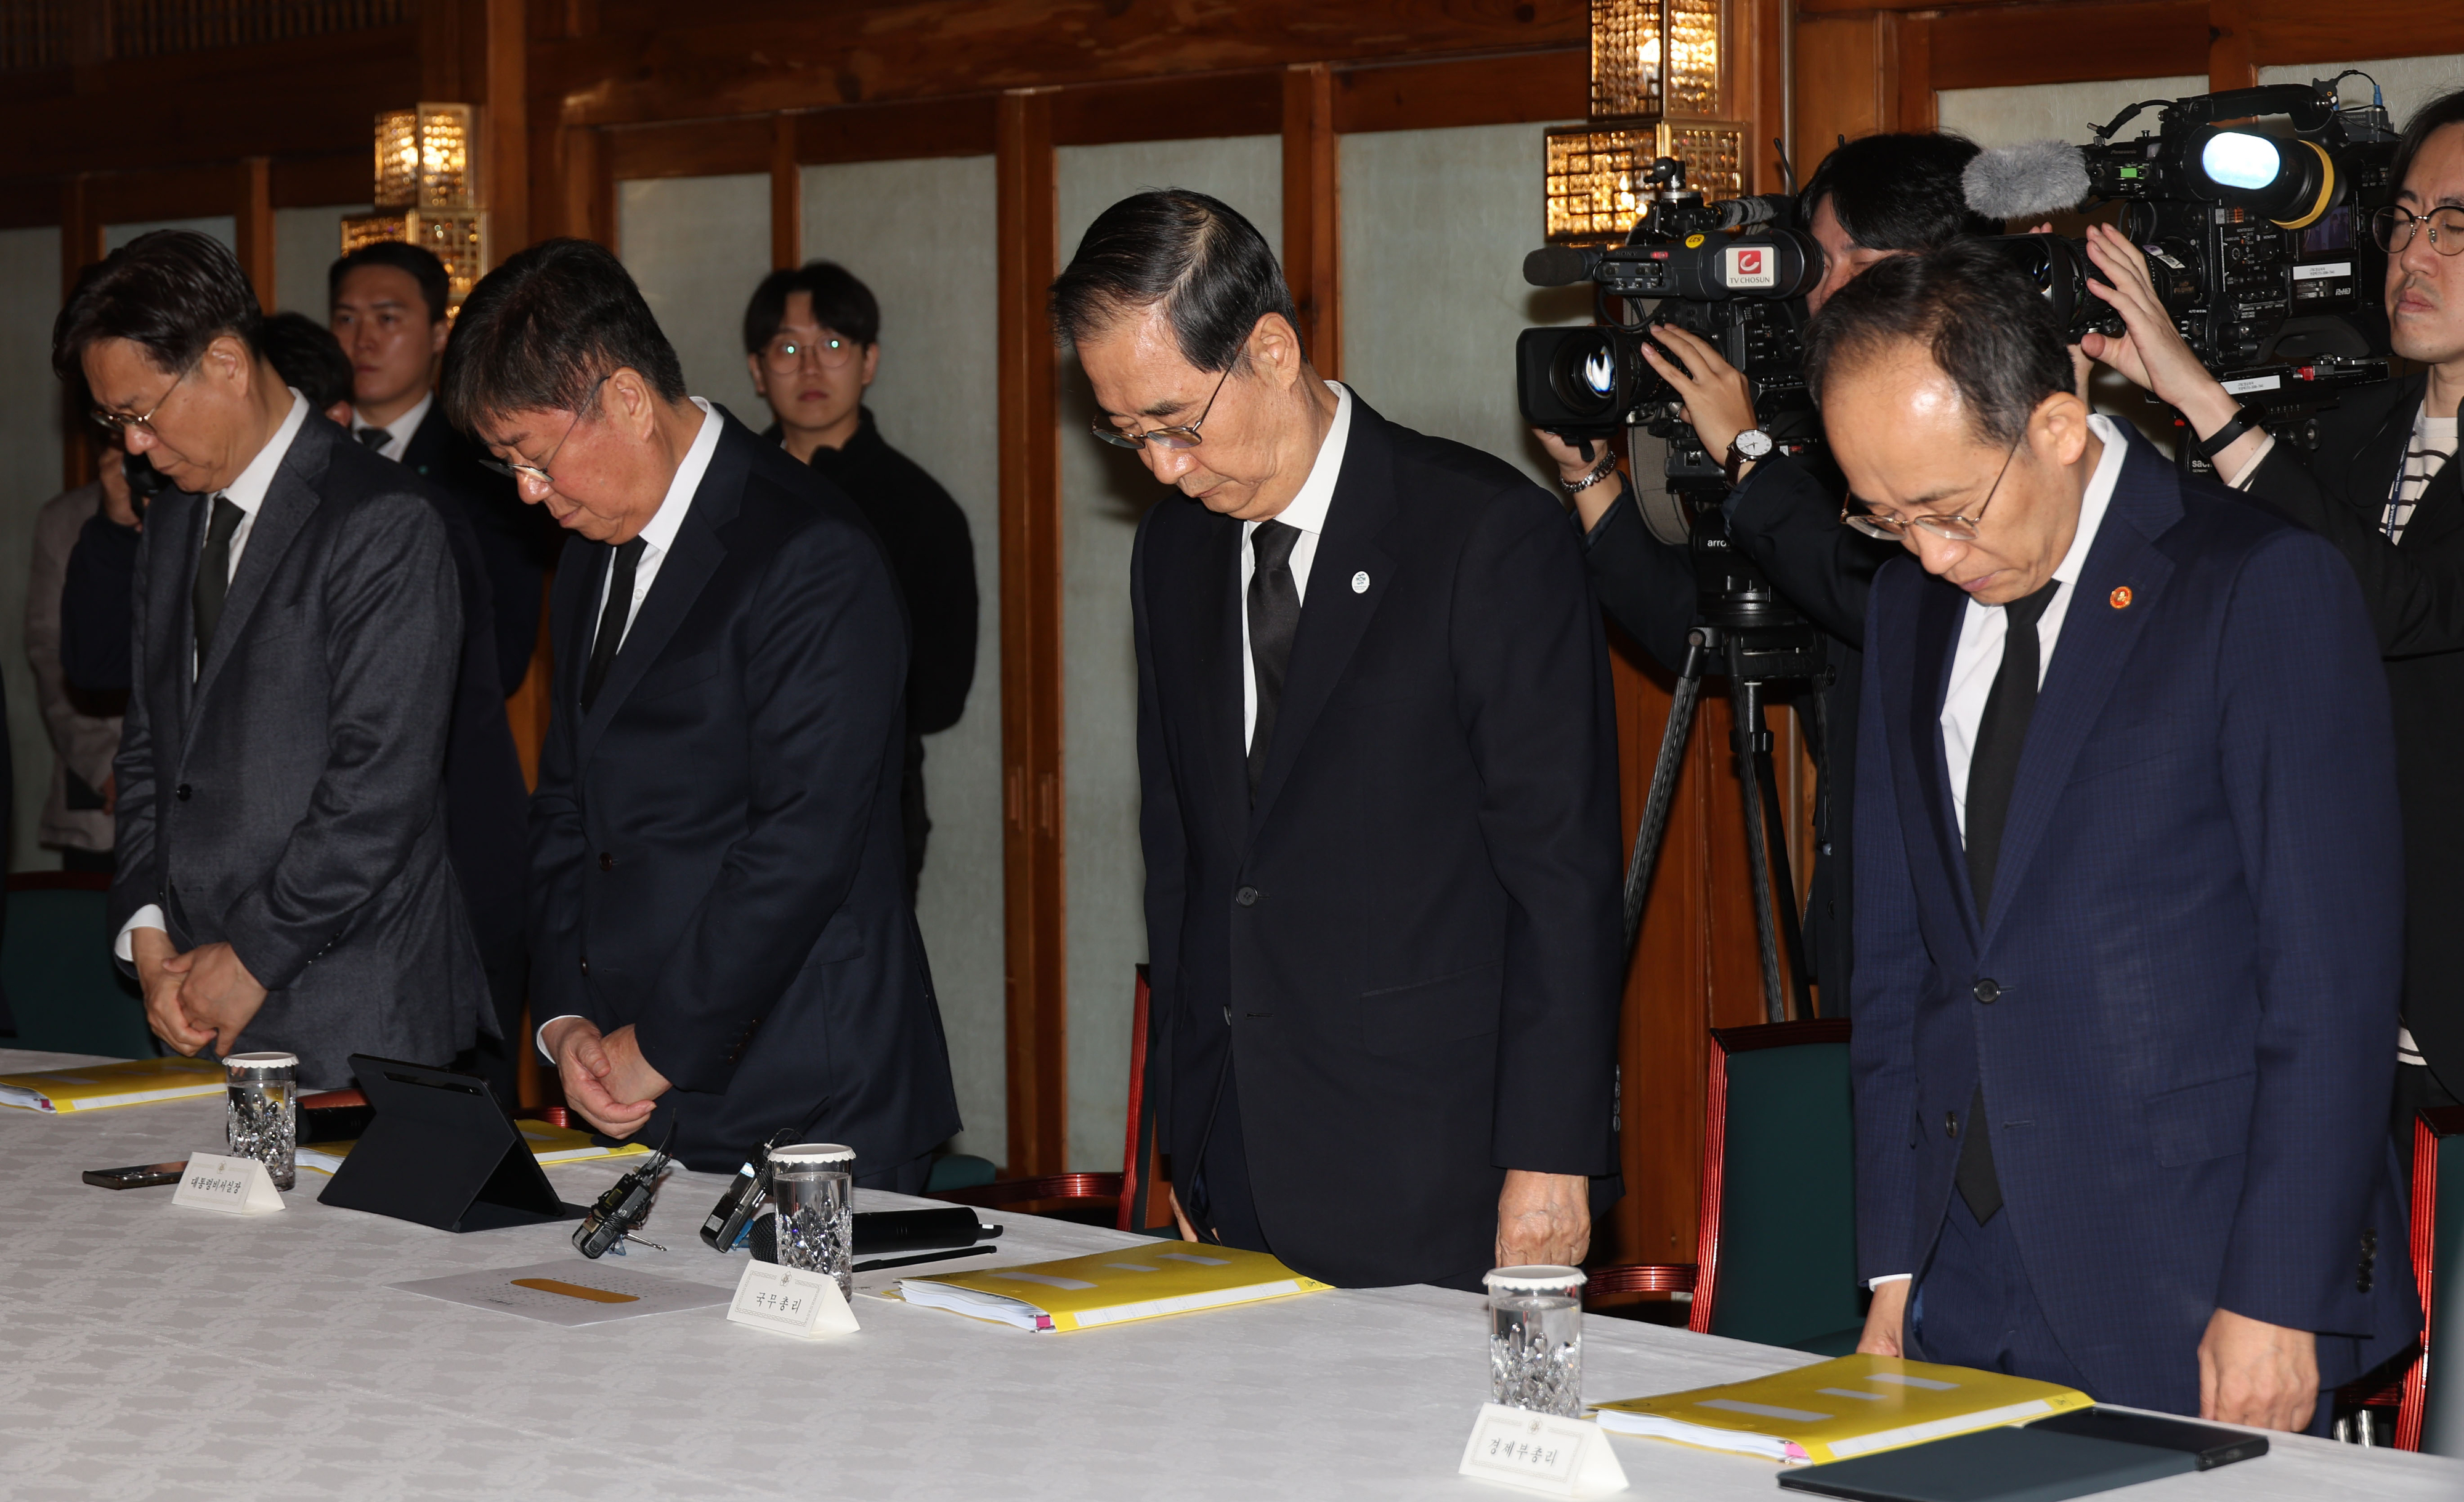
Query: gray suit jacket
{"x": 289, "y": 797}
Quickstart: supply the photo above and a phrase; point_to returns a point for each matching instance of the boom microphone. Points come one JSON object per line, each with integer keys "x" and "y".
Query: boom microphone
{"x": 1559, "y": 266}
{"x": 2026, "y": 181}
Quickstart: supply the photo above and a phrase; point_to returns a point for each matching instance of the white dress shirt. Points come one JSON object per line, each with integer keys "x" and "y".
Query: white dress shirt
{"x": 658, "y": 536}
{"x": 1982, "y": 628}
{"x": 398, "y": 433}
{"x": 247, "y": 493}
{"x": 1307, "y": 510}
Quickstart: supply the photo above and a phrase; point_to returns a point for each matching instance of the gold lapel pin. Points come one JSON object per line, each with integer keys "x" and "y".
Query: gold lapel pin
{"x": 2120, "y": 598}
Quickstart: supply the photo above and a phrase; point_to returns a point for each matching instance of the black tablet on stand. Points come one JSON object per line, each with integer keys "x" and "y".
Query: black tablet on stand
{"x": 442, "y": 1152}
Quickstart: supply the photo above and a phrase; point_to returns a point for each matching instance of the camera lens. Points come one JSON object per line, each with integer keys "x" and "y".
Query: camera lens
{"x": 1585, "y": 374}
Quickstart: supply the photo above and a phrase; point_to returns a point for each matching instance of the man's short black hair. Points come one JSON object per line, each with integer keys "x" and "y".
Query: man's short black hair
{"x": 2447, "y": 109}
{"x": 541, "y": 332}
{"x": 1979, "y": 318}
{"x": 305, "y": 353}
{"x": 418, "y": 260}
{"x": 841, "y": 304}
{"x": 171, "y": 292}
{"x": 1209, "y": 268}
{"x": 1900, "y": 191}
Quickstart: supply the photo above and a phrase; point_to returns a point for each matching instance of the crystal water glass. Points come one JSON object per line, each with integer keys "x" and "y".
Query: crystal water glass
{"x": 261, "y": 1114}
{"x": 1535, "y": 1338}
{"x": 813, "y": 1186}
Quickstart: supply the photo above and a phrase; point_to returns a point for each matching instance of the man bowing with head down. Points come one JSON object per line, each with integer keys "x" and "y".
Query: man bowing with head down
{"x": 1377, "y": 762}
{"x": 719, "y": 927}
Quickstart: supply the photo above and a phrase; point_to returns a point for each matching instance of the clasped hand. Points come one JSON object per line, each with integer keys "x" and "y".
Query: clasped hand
{"x": 202, "y": 996}
{"x": 605, "y": 1076}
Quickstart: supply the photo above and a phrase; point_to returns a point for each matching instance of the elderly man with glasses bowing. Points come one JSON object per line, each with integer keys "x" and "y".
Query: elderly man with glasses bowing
{"x": 2129, "y": 908}
{"x": 283, "y": 881}
{"x": 1377, "y": 762}
{"x": 720, "y": 931}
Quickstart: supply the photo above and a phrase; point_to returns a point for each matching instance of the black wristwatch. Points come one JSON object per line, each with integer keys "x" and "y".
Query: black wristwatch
{"x": 2222, "y": 438}
{"x": 1753, "y": 446}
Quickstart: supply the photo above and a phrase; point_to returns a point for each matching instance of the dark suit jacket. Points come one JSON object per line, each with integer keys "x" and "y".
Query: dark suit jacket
{"x": 517, "y": 543}
{"x": 2415, "y": 594}
{"x": 715, "y": 851}
{"x": 289, "y": 797}
{"x": 1785, "y": 519}
{"x": 1414, "y": 933}
{"x": 2196, "y": 951}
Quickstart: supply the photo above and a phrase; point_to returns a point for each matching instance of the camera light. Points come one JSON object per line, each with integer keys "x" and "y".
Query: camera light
{"x": 2238, "y": 159}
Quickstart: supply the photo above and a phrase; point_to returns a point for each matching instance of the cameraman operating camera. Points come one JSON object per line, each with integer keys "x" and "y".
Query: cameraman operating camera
{"x": 1870, "y": 199}
{"x": 2380, "y": 486}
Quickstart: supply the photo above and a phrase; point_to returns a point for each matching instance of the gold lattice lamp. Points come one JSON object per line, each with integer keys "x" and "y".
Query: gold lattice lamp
{"x": 428, "y": 191}
{"x": 1660, "y": 88}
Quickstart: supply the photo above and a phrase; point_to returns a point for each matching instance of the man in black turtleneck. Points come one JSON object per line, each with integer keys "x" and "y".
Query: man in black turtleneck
{"x": 812, "y": 342}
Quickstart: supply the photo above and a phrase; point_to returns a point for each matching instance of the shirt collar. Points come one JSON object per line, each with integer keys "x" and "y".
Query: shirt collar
{"x": 1307, "y": 510}
{"x": 659, "y": 533}
{"x": 2099, "y": 496}
{"x": 400, "y": 430}
{"x": 248, "y": 491}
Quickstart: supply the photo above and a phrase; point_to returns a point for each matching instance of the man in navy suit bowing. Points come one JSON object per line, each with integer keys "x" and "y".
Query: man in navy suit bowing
{"x": 2129, "y": 921}
{"x": 720, "y": 925}
{"x": 1376, "y": 761}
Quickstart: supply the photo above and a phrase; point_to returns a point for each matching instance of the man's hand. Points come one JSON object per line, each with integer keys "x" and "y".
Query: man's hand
{"x": 216, "y": 992}
{"x": 2152, "y": 352}
{"x": 1179, "y": 1216}
{"x": 150, "y": 950}
{"x": 2262, "y": 1375}
{"x": 1719, "y": 400}
{"x": 1543, "y": 1219}
{"x": 582, "y": 1063}
{"x": 1886, "y": 1321}
{"x": 1574, "y": 462}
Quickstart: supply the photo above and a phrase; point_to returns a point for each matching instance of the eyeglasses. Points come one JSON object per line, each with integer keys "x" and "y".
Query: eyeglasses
{"x": 830, "y": 352}
{"x": 536, "y": 473}
{"x": 119, "y": 424}
{"x": 1184, "y": 436}
{"x": 1955, "y": 528}
{"x": 2392, "y": 229}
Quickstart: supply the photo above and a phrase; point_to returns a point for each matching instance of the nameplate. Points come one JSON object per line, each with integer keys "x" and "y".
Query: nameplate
{"x": 232, "y": 1185}
{"x": 790, "y": 1302}
{"x": 1541, "y": 1452}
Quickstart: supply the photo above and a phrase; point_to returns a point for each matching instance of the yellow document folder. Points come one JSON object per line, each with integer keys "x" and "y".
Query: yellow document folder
{"x": 548, "y": 1142}
{"x": 1110, "y": 1288}
{"x": 128, "y": 1081}
{"x": 1833, "y": 1411}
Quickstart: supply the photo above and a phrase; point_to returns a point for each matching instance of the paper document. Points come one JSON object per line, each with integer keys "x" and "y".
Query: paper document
{"x": 1833, "y": 1411}
{"x": 127, "y": 1081}
{"x": 1162, "y": 1278}
{"x": 569, "y": 1290}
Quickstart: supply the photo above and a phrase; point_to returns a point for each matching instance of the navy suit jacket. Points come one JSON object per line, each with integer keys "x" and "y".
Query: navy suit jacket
{"x": 2197, "y": 940}
{"x": 715, "y": 851}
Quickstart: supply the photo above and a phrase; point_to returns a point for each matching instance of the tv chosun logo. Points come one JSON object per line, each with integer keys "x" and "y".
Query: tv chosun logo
{"x": 1749, "y": 266}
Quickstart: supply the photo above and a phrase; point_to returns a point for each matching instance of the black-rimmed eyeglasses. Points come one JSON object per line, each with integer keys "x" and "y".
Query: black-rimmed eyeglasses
{"x": 1182, "y": 436}
{"x": 536, "y": 473}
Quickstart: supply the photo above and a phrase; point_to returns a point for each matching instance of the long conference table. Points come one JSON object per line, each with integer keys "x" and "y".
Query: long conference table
{"x": 148, "y": 1350}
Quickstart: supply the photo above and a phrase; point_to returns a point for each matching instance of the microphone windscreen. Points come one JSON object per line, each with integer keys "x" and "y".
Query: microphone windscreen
{"x": 2023, "y": 182}
{"x": 1556, "y": 266}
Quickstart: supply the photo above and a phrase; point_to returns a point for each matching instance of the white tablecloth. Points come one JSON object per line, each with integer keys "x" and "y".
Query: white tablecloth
{"x": 155, "y": 1353}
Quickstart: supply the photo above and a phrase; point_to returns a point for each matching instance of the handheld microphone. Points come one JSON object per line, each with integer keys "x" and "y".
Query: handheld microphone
{"x": 2026, "y": 181}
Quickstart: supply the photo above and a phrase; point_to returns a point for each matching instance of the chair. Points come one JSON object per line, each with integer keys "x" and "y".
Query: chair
{"x": 65, "y": 992}
{"x": 1125, "y": 1200}
{"x": 1776, "y": 1259}
{"x": 2424, "y": 1388}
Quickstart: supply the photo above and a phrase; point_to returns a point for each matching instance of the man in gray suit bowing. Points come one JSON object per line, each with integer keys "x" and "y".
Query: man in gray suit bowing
{"x": 282, "y": 879}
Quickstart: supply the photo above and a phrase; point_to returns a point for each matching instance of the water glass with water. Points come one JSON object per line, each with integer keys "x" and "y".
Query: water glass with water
{"x": 813, "y": 1186}
{"x": 1535, "y": 1338}
{"x": 262, "y": 1114}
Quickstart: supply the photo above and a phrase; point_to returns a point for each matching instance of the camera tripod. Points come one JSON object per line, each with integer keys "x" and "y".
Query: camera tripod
{"x": 1754, "y": 658}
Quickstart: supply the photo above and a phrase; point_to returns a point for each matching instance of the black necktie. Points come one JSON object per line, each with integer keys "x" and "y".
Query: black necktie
{"x": 612, "y": 618}
{"x": 214, "y": 573}
{"x": 375, "y": 437}
{"x": 1993, "y": 766}
{"x": 1274, "y": 615}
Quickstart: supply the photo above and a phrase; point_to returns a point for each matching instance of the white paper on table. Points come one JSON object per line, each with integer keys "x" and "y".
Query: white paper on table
{"x": 510, "y": 1289}
{"x": 1541, "y": 1452}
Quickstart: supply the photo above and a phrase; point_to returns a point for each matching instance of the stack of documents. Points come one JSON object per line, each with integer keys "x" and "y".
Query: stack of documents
{"x": 549, "y": 1143}
{"x": 1854, "y": 1405}
{"x": 130, "y": 1081}
{"x": 1110, "y": 1288}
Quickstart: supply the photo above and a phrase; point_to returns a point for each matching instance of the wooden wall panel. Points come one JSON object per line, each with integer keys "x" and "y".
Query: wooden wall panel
{"x": 1169, "y": 109}
{"x": 694, "y": 148}
{"x": 787, "y": 196}
{"x": 251, "y": 212}
{"x": 1844, "y": 84}
{"x": 1313, "y": 214}
{"x": 1487, "y": 91}
{"x": 2066, "y": 44}
{"x": 961, "y": 127}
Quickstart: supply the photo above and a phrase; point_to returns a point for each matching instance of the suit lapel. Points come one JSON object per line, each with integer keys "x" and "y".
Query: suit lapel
{"x": 1336, "y": 613}
{"x": 2100, "y": 627}
{"x": 1214, "y": 602}
{"x": 288, "y": 501}
{"x": 179, "y": 532}
{"x": 1941, "y": 608}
